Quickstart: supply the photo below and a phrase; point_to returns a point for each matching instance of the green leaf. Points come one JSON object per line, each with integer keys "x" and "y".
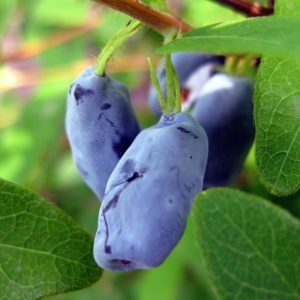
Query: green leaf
{"x": 287, "y": 8}
{"x": 157, "y": 4}
{"x": 42, "y": 251}
{"x": 250, "y": 246}
{"x": 277, "y": 118}
{"x": 273, "y": 35}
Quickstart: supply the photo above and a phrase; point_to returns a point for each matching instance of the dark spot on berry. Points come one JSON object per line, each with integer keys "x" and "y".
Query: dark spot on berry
{"x": 106, "y": 106}
{"x": 191, "y": 157}
{"x": 80, "y": 93}
{"x": 184, "y": 130}
{"x": 122, "y": 145}
{"x": 111, "y": 123}
{"x": 170, "y": 201}
{"x": 100, "y": 116}
{"x": 134, "y": 176}
{"x": 125, "y": 262}
{"x": 107, "y": 249}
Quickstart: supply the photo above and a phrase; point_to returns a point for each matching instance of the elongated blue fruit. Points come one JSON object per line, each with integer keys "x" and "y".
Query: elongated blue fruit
{"x": 100, "y": 125}
{"x": 224, "y": 108}
{"x": 150, "y": 193}
{"x": 185, "y": 64}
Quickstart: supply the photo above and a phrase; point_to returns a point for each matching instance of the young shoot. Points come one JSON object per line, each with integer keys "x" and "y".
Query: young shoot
{"x": 117, "y": 40}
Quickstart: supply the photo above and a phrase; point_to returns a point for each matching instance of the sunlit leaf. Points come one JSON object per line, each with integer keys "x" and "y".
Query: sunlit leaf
{"x": 271, "y": 35}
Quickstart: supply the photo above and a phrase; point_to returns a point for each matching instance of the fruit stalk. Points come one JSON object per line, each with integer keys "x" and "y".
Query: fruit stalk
{"x": 117, "y": 40}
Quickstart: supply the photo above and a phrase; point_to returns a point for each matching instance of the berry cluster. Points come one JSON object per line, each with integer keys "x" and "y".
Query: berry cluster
{"x": 222, "y": 105}
{"x": 147, "y": 179}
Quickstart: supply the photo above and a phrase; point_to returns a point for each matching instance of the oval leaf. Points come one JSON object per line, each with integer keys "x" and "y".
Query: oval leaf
{"x": 277, "y": 117}
{"x": 273, "y": 35}
{"x": 250, "y": 246}
{"x": 277, "y": 120}
{"x": 42, "y": 251}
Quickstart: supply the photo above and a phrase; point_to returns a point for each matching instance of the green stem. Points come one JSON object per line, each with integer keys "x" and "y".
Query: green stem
{"x": 154, "y": 79}
{"x": 173, "y": 86}
{"x": 170, "y": 84}
{"x": 117, "y": 40}
{"x": 171, "y": 104}
{"x": 177, "y": 90}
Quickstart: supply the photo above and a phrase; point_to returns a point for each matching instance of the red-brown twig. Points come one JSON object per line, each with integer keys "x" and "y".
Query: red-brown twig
{"x": 156, "y": 20}
{"x": 249, "y": 9}
{"x": 161, "y": 22}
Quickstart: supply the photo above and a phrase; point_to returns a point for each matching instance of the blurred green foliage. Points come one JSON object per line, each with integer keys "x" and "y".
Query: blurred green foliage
{"x": 44, "y": 45}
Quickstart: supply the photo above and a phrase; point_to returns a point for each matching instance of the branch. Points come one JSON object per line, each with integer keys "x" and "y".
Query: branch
{"x": 158, "y": 21}
{"x": 249, "y": 9}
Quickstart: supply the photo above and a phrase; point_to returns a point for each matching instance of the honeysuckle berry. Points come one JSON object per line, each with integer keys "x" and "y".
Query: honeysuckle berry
{"x": 100, "y": 125}
{"x": 225, "y": 110}
{"x": 149, "y": 195}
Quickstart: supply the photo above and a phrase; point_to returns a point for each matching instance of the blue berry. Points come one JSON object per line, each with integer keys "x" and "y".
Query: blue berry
{"x": 100, "y": 125}
{"x": 150, "y": 193}
{"x": 225, "y": 110}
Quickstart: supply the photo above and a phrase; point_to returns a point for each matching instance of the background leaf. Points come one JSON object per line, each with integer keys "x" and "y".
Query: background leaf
{"x": 277, "y": 117}
{"x": 250, "y": 246}
{"x": 6, "y": 9}
{"x": 61, "y": 12}
{"x": 42, "y": 251}
{"x": 271, "y": 35}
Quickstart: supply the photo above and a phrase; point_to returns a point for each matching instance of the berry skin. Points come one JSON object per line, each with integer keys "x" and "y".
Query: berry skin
{"x": 150, "y": 193}
{"x": 100, "y": 125}
{"x": 225, "y": 110}
{"x": 185, "y": 64}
